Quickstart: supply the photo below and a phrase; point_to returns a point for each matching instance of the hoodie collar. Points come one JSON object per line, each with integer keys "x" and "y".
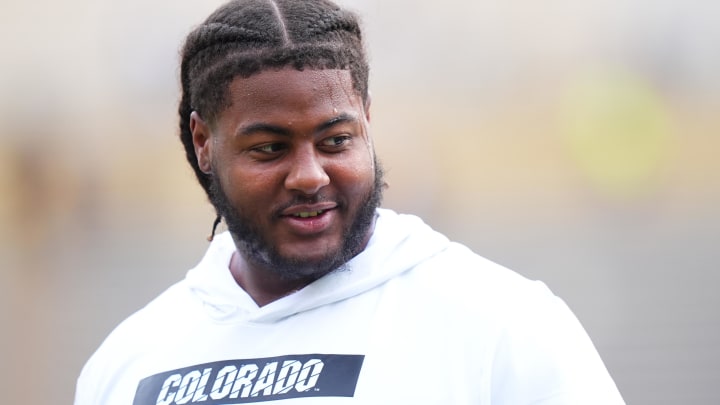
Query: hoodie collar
{"x": 399, "y": 242}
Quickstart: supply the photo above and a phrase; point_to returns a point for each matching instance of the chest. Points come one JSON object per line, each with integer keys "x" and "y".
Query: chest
{"x": 373, "y": 349}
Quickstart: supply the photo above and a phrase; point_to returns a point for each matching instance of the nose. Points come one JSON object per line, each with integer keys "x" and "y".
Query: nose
{"x": 307, "y": 174}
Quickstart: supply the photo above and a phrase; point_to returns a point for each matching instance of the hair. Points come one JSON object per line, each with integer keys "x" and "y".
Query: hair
{"x": 246, "y": 37}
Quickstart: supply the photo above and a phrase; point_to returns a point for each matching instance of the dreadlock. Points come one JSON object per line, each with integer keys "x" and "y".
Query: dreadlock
{"x": 245, "y": 37}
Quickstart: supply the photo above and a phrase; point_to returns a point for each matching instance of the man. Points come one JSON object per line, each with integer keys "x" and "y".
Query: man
{"x": 315, "y": 295}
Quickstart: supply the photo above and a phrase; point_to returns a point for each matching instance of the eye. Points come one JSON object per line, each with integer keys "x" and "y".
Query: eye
{"x": 268, "y": 151}
{"x": 336, "y": 142}
{"x": 269, "y": 148}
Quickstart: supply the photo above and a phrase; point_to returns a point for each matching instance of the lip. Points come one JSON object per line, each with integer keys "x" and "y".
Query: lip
{"x": 297, "y": 209}
{"x": 309, "y": 225}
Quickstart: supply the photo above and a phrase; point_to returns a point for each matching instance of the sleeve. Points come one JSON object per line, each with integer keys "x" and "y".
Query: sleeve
{"x": 105, "y": 377}
{"x": 545, "y": 357}
{"x": 85, "y": 388}
{"x": 108, "y": 377}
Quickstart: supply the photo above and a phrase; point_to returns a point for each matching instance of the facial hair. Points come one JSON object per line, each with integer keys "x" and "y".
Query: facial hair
{"x": 260, "y": 252}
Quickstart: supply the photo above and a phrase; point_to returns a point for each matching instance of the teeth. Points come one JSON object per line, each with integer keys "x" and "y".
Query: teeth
{"x": 309, "y": 214}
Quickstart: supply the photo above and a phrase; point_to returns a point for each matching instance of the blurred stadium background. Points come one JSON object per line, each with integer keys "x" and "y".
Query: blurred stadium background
{"x": 572, "y": 141}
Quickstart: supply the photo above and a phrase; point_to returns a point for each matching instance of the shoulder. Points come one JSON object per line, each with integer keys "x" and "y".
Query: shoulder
{"x": 458, "y": 273}
{"x": 540, "y": 350}
{"x": 161, "y": 315}
{"x": 169, "y": 307}
{"x": 461, "y": 282}
{"x": 141, "y": 333}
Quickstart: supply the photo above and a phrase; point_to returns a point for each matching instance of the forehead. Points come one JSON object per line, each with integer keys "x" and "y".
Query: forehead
{"x": 290, "y": 89}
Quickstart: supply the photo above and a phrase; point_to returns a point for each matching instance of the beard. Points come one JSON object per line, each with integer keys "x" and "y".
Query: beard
{"x": 257, "y": 250}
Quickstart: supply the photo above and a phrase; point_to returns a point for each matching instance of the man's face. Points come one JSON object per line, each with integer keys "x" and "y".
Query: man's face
{"x": 294, "y": 171}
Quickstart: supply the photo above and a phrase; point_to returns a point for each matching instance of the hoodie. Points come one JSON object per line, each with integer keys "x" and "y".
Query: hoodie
{"x": 413, "y": 319}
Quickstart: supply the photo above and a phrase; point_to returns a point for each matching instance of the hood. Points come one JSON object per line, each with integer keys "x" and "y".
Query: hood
{"x": 399, "y": 242}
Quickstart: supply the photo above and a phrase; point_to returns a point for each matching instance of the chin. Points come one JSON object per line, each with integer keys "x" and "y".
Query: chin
{"x": 307, "y": 269}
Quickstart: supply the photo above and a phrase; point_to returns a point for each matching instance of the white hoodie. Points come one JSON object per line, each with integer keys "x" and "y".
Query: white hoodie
{"x": 413, "y": 319}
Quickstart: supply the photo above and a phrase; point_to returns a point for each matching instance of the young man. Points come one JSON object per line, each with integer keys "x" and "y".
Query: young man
{"x": 316, "y": 295}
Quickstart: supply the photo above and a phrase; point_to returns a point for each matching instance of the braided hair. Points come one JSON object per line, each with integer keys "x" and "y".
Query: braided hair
{"x": 245, "y": 37}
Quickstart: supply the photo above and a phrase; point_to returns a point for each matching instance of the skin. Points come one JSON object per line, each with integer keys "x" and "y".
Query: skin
{"x": 292, "y": 143}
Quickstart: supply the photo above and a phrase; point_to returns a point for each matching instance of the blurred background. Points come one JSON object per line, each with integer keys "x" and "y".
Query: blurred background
{"x": 572, "y": 141}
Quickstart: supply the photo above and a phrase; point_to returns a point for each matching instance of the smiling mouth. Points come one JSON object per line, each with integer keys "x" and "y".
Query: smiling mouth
{"x": 308, "y": 214}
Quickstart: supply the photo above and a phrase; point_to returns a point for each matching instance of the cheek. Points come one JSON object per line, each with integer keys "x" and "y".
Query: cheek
{"x": 358, "y": 175}
{"x": 245, "y": 186}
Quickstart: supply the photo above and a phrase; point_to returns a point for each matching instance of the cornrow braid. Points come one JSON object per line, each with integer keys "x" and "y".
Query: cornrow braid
{"x": 245, "y": 37}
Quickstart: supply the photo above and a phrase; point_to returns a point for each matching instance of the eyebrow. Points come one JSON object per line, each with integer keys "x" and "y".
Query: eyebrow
{"x": 342, "y": 118}
{"x": 262, "y": 127}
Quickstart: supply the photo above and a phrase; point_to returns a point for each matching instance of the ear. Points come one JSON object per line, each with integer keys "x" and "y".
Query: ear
{"x": 367, "y": 106}
{"x": 201, "y": 140}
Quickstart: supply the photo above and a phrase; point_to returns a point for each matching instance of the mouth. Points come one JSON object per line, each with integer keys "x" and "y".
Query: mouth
{"x": 310, "y": 219}
{"x": 308, "y": 210}
{"x": 308, "y": 214}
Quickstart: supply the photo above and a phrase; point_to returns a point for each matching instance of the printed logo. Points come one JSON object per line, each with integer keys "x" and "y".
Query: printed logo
{"x": 253, "y": 380}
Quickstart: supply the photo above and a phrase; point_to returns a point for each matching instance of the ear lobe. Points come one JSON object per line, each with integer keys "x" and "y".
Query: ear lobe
{"x": 367, "y": 106}
{"x": 201, "y": 140}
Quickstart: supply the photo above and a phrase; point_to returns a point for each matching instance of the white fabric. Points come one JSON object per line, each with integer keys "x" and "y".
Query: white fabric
{"x": 436, "y": 324}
